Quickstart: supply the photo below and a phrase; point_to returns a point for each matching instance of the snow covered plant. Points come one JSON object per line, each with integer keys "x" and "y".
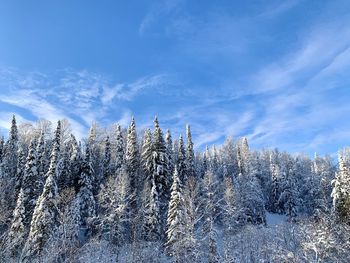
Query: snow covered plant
{"x": 122, "y": 195}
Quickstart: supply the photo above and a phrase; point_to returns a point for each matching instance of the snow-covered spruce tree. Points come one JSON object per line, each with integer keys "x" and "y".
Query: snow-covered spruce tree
{"x": 95, "y": 157}
{"x": 75, "y": 162}
{"x": 234, "y": 218}
{"x": 132, "y": 158}
{"x": 40, "y": 160}
{"x": 175, "y": 151}
{"x": 160, "y": 170}
{"x": 288, "y": 193}
{"x": 132, "y": 161}
{"x": 21, "y": 162}
{"x": 288, "y": 198}
{"x": 152, "y": 224}
{"x": 229, "y": 158}
{"x": 325, "y": 172}
{"x": 2, "y": 148}
{"x": 147, "y": 155}
{"x": 214, "y": 162}
{"x": 170, "y": 152}
{"x": 231, "y": 207}
{"x": 275, "y": 186}
{"x": 341, "y": 191}
{"x": 30, "y": 191}
{"x": 107, "y": 161}
{"x": 190, "y": 167}
{"x": 181, "y": 161}
{"x": 65, "y": 175}
{"x": 119, "y": 149}
{"x": 244, "y": 151}
{"x": 8, "y": 178}
{"x": 85, "y": 194}
{"x": 45, "y": 217}
{"x": 251, "y": 192}
{"x": 11, "y": 150}
{"x": 176, "y": 221}
{"x": 209, "y": 216}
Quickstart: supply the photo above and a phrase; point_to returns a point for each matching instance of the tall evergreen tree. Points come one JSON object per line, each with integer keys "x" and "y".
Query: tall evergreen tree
{"x": 190, "y": 166}
{"x": 170, "y": 152}
{"x": 29, "y": 192}
{"x": 160, "y": 170}
{"x": 341, "y": 190}
{"x": 45, "y": 217}
{"x": 9, "y": 181}
{"x": 21, "y": 161}
{"x": 75, "y": 162}
{"x": 152, "y": 218}
{"x": 65, "y": 175}
{"x": 2, "y": 148}
{"x": 107, "y": 161}
{"x": 181, "y": 161}
{"x": 41, "y": 162}
{"x": 95, "y": 158}
{"x": 132, "y": 161}
{"x": 132, "y": 158}
{"x": 147, "y": 155}
{"x": 119, "y": 149}
{"x": 85, "y": 194}
{"x": 176, "y": 221}
{"x": 210, "y": 215}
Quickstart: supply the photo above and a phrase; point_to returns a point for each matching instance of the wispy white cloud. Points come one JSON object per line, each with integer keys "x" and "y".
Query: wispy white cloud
{"x": 82, "y": 97}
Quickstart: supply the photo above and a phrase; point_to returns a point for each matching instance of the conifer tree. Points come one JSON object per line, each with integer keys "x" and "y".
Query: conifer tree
{"x": 341, "y": 190}
{"x": 85, "y": 194}
{"x": 11, "y": 150}
{"x": 210, "y": 215}
{"x": 9, "y": 181}
{"x": 40, "y": 163}
{"x": 181, "y": 161}
{"x": 107, "y": 162}
{"x": 65, "y": 175}
{"x": 275, "y": 186}
{"x": 2, "y": 148}
{"x": 45, "y": 217}
{"x": 160, "y": 169}
{"x": 95, "y": 158}
{"x": 147, "y": 155}
{"x": 170, "y": 152}
{"x": 75, "y": 162}
{"x": 21, "y": 161}
{"x": 152, "y": 223}
{"x": 29, "y": 192}
{"x": 176, "y": 221}
{"x": 244, "y": 151}
{"x": 132, "y": 158}
{"x": 190, "y": 167}
{"x": 119, "y": 149}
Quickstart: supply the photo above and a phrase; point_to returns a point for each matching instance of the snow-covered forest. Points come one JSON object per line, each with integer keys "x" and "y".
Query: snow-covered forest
{"x": 130, "y": 195}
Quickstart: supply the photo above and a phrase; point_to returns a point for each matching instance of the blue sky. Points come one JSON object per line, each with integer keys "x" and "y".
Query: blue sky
{"x": 274, "y": 71}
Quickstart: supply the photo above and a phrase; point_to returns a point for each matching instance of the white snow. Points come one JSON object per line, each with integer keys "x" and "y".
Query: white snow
{"x": 275, "y": 219}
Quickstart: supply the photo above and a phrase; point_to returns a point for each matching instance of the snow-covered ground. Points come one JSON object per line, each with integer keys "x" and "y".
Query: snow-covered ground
{"x": 275, "y": 219}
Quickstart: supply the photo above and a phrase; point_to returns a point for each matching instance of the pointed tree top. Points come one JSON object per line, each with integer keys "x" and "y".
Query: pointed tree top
{"x": 132, "y": 124}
